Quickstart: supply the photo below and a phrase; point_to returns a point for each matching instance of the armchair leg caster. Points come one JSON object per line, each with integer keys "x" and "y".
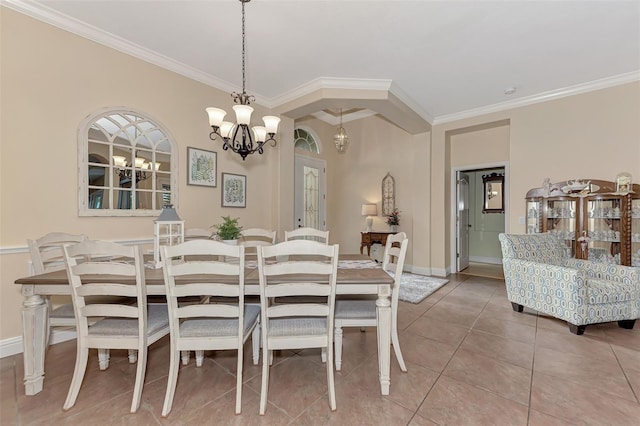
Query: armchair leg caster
{"x": 577, "y": 329}
{"x": 626, "y": 324}
{"x": 516, "y": 307}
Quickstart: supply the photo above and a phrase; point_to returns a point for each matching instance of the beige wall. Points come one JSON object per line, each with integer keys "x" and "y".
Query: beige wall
{"x": 51, "y": 80}
{"x": 593, "y": 135}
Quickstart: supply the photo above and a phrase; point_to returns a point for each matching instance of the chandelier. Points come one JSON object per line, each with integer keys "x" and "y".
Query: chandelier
{"x": 340, "y": 138}
{"x": 139, "y": 169}
{"x": 237, "y": 136}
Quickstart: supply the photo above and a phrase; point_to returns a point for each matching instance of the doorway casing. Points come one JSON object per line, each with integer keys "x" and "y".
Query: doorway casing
{"x": 453, "y": 264}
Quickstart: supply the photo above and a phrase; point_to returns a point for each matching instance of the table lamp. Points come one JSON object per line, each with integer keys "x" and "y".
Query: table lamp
{"x": 369, "y": 210}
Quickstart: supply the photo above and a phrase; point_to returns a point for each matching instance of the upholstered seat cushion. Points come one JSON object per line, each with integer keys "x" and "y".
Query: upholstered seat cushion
{"x": 296, "y": 326}
{"x": 604, "y": 291}
{"x": 352, "y": 309}
{"x": 157, "y": 319}
{"x": 219, "y": 327}
{"x": 63, "y": 311}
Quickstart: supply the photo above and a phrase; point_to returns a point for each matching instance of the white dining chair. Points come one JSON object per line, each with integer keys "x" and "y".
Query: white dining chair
{"x": 362, "y": 313}
{"x": 252, "y": 238}
{"x": 307, "y": 233}
{"x": 297, "y": 325}
{"x": 122, "y": 326}
{"x": 225, "y": 324}
{"x": 47, "y": 256}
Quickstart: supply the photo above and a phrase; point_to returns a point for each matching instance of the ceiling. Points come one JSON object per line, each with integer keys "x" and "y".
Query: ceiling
{"x": 424, "y": 62}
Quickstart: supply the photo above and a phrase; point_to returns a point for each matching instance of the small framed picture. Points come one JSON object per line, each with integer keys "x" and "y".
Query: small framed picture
{"x": 202, "y": 167}
{"x": 234, "y": 190}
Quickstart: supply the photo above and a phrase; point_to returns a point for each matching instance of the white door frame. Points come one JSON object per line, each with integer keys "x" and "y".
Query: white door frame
{"x": 320, "y": 164}
{"x": 453, "y": 264}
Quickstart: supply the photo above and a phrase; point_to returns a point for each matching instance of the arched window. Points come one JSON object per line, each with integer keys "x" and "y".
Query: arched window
{"x": 127, "y": 165}
{"x": 305, "y": 140}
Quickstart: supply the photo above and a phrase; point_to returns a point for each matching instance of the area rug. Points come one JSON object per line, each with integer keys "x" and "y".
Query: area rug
{"x": 415, "y": 288}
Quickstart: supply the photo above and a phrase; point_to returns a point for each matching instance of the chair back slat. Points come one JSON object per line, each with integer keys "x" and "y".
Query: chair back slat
{"x": 307, "y": 233}
{"x": 110, "y": 310}
{"x": 89, "y": 288}
{"x": 206, "y": 289}
{"x": 211, "y": 267}
{"x": 298, "y": 289}
{"x": 310, "y": 267}
{"x": 298, "y": 310}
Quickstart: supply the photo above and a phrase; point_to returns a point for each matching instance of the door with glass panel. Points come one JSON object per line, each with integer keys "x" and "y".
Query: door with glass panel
{"x": 309, "y": 192}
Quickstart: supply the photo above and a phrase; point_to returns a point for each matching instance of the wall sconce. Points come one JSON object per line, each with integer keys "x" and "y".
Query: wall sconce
{"x": 369, "y": 210}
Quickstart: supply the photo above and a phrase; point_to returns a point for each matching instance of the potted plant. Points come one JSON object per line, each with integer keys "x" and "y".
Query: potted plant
{"x": 229, "y": 230}
{"x": 393, "y": 220}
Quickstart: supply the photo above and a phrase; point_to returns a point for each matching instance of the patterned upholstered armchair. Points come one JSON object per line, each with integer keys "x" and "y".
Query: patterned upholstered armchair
{"x": 540, "y": 275}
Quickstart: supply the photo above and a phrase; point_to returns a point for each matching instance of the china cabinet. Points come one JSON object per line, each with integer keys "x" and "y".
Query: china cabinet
{"x": 595, "y": 221}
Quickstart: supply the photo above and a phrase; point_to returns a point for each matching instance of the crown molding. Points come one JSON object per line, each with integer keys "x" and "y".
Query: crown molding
{"x": 323, "y": 83}
{"x": 334, "y": 121}
{"x": 577, "y": 89}
{"x": 82, "y": 29}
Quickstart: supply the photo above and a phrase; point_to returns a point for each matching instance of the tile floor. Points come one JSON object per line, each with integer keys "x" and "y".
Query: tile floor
{"x": 471, "y": 360}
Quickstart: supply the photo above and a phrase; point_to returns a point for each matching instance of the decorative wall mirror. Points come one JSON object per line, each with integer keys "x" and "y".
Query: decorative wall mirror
{"x": 493, "y": 190}
{"x": 127, "y": 165}
{"x": 388, "y": 194}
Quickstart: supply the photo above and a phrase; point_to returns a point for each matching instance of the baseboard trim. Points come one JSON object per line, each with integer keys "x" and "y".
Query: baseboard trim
{"x": 439, "y": 272}
{"x": 480, "y": 259}
{"x": 13, "y": 345}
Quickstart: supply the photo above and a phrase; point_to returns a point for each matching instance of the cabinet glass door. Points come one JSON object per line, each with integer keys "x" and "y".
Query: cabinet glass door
{"x": 603, "y": 230}
{"x": 534, "y": 225}
{"x": 561, "y": 221}
{"x": 635, "y": 232}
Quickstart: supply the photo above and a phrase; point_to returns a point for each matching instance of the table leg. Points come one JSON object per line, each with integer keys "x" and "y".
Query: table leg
{"x": 383, "y": 314}
{"x": 35, "y": 315}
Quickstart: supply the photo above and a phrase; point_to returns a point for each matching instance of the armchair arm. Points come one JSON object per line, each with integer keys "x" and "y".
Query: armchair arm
{"x": 555, "y": 290}
{"x": 607, "y": 271}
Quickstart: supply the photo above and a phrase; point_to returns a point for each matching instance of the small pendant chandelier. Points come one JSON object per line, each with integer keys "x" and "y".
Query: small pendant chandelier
{"x": 340, "y": 138}
{"x": 237, "y": 136}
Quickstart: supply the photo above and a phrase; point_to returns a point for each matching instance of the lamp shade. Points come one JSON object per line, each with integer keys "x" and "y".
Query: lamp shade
{"x": 369, "y": 210}
{"x": 216, "y": 115}
{"x": 243, "y": 114}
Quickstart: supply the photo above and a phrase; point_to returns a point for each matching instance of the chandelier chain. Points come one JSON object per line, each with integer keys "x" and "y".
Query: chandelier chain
{"x": 243, "y": 51}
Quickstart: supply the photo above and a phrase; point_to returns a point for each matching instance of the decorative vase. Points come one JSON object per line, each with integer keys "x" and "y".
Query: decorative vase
{"x": 231, "y": 242}
{"x": 394, "y": 228}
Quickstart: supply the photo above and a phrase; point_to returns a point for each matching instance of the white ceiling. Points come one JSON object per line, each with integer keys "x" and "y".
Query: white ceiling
{"x": 444, "y": 59}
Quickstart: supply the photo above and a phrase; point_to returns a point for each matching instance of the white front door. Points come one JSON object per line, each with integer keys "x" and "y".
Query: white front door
{"x": 309, "y": 192}
{"x": 462, "y": 220}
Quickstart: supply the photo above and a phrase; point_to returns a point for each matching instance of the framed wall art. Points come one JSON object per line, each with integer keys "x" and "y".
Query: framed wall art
{"x": 234, "y": 190}
{"x": 202, "y": 167}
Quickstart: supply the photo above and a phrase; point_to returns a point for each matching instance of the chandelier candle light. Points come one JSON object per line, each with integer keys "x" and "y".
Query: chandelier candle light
{"x": 237, "y": 136}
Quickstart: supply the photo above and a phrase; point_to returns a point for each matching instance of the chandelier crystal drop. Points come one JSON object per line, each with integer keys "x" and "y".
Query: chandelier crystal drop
{"x": 237, "y": 136}
{"x": 340, "y": 138}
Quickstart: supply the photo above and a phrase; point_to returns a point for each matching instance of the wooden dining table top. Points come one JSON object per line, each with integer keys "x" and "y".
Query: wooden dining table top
{"x": 362, "y": 273}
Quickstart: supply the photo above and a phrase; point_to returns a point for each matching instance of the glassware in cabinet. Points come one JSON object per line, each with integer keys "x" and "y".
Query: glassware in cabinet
{"x": 635, "y": 232}
{"x": 603, "y": 228}
{"x": 561, "y": 221}
{"x": 534, "y": 217}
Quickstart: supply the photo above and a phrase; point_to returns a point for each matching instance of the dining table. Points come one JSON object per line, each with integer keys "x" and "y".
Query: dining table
{"x": 357, "y": 275}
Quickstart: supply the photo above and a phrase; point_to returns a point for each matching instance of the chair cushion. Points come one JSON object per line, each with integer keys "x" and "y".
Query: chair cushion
{"x": 355, "y": 309}
{"x": 63, "y": 311}
{"x": 296, "y": 326}
{"x": 157, "y": 319}
{"x": 219, "y": 327}
{"x": 603, "y": 291}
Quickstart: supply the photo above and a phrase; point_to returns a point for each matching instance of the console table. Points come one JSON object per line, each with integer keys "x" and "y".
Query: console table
{"x": 367, "y": 239}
